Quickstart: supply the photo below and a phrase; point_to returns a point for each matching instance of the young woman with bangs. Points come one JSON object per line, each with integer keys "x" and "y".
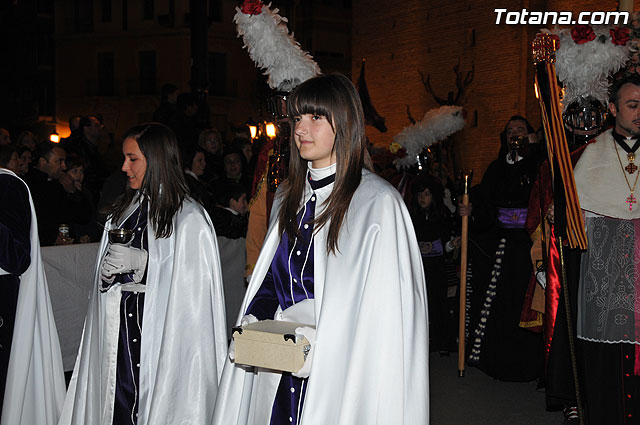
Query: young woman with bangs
{"x": 341, "y": 256}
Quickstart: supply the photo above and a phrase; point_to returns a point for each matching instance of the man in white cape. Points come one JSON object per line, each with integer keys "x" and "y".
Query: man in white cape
{"x": 370, "y": 361}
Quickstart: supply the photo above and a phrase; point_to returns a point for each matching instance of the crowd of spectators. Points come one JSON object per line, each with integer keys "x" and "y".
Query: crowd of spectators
{"x": 73, "y": 182}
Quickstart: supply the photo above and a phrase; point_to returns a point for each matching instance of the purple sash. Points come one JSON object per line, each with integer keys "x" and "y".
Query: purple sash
{"x": 512, "y": 218}
{"x": 431, "y": 249}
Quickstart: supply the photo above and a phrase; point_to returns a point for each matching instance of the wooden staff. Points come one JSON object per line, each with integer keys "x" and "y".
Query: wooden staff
{"x": 464, "y": 241}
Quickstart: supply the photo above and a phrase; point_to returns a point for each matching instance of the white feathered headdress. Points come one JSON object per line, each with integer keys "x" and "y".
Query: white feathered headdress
{"x": 586, "y": 57}
{"x": 271, "y": 47}
{"x": 436, "y": 125}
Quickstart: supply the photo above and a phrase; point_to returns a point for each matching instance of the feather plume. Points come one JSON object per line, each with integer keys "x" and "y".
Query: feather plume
{"x": 584, "y": 68}
{"x": 436, "y": 125}
{"x": 273, "y": 49}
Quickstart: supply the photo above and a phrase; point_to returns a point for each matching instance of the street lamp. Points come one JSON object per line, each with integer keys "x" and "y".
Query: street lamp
{"x": 270, "y": 129}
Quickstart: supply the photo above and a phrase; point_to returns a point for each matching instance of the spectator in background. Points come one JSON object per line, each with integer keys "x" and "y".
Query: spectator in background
{"x": 9, "y": 158}
{"x": 72, "y": 180}
{"x": 53, "y": 206}
{"x": 26, "y": 158}
{"x": 230, "y": 215}
{"x": 230, "y": 220}
{"x": 234, "y": 165}
{"x": 246, "y": 147}
{"x": 210, "y": 140}
{"x": 84, "y": 142}
{"x": 27, "y": 139}
{"x": 46, "y": 191}
{"x": 194, "y": 165}
{"x": 5, "y": 137}
{"x": 197, "y": 163}
{"x": 74, "y": 122}
{"x": 168, "y": 97}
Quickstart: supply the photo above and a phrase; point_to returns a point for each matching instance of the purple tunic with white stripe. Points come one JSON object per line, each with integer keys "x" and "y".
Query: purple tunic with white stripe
{"x": 289, "y": 281}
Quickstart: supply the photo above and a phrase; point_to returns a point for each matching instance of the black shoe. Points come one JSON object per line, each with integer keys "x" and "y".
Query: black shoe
{"x": 570, "y": 415}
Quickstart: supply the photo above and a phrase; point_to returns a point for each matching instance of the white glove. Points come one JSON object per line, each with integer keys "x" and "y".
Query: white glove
{"x": 310, "y": 334}
{"x": 105, "y": 273}
{"x": 249, "y": 318}
{"x": 106, "y": 278}
{"x": 123, "y": 259}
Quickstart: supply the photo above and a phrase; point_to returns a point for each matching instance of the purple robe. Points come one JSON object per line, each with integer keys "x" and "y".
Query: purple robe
{"x": 289, "y": 281}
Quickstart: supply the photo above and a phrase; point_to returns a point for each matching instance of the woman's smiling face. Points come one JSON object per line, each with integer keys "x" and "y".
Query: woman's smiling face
{"x": 135, "y": 163}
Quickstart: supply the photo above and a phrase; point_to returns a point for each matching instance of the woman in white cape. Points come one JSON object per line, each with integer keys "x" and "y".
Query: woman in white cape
{"x": 154, "y": 340}
{"x": 341, "y": 255}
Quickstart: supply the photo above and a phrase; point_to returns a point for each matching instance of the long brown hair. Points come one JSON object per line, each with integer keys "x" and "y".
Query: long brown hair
{"x": 163, "y": 183}
{"x": 334, "y": 97}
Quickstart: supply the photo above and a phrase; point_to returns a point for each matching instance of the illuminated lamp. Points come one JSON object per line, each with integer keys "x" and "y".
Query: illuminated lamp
{"x": 271, "y": 130}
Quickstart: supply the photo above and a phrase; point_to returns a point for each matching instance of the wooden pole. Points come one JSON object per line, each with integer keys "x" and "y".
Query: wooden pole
{"x": 625, "y": 6}
{"x": 464, "y": 241}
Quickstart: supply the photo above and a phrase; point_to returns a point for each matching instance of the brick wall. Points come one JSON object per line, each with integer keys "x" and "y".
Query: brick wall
{"x": 400, "y": 39}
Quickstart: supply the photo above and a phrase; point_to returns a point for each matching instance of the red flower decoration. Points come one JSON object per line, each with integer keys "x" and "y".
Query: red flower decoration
{"x": 619, "y": 36}
{"x": 251, "y": 7}
{"x": 582, "y": 34}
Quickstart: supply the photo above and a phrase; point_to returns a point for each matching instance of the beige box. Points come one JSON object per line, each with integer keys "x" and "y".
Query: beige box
{"x": 271, "y": 344}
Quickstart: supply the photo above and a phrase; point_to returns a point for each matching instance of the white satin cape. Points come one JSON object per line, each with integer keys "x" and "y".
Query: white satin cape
{"x": 184, "y": 339}
{"x": 34, "y": 391}
{"x": 370, "y": 364}
{"x": 600, "y": 179}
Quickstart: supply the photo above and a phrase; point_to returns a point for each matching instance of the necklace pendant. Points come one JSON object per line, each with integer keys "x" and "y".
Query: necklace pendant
{"x": 631, "y": 168}
{"x": 631, "y": 200}
{"x": 631, "y": 156}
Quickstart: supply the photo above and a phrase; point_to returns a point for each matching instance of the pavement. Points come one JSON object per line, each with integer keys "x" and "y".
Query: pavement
{"x": 477, "y": 399}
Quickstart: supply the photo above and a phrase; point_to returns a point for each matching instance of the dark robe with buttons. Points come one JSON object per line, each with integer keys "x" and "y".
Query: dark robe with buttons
{"x": 500, "y": 268}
